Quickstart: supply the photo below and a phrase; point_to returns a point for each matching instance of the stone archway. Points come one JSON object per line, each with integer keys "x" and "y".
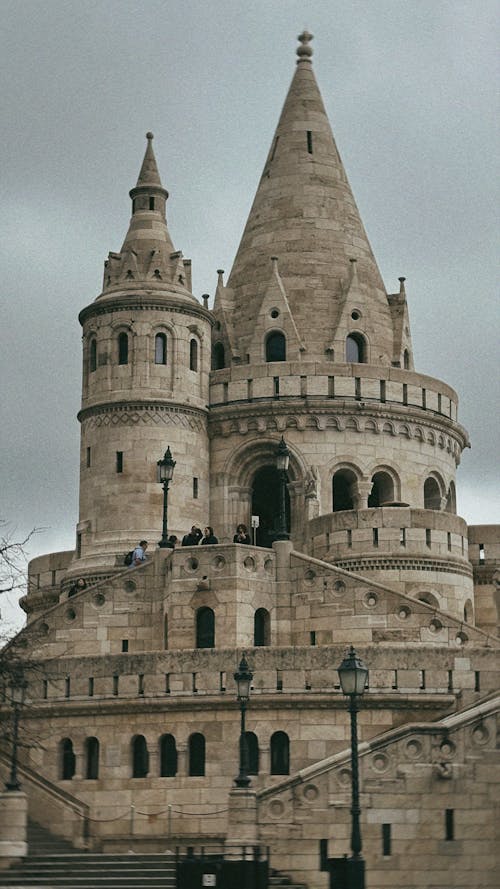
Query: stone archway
{"x": 250, "y": 467}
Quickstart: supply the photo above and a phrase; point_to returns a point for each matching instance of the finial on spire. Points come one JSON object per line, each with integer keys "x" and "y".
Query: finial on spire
{"x": 304, "y": 51}
{"x": 149, "y": 136}
{"x": 402, "y": 284}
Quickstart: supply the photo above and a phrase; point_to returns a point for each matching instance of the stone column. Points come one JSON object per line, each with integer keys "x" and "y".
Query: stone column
{"x": 13, "y": 826}
{"x": 360, "y": 494}
{"x": 242, "y": 821}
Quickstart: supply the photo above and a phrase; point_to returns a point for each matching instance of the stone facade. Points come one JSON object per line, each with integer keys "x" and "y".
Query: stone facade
{"x": 130, "y": 682}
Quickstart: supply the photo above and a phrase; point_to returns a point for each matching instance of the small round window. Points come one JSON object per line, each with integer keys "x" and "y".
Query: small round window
{"x": 275, "y": 313}
{"x": 355, "y": 315}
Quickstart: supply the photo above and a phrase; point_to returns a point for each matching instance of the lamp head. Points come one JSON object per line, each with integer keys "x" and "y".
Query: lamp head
{"x": 166, "y": 467}
{"x": 243, "y": 678}
{"x": 282, "y": 456}
{"x": 352, "y": 674}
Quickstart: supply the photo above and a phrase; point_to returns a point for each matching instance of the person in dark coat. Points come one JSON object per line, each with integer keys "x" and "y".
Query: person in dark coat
{"x": 77, "y": 587}
{"x": 209, "y": 537}
{"x": 242, "y": 535}
{"x": 193, "y": 537}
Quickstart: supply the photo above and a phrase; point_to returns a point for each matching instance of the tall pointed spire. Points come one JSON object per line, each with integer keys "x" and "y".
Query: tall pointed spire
{"x": 149, "y": 174}
{"x": 304, "y": 212}
{"x": 147, "y": 254}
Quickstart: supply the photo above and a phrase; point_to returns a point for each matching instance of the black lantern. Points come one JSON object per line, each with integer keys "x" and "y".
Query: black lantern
{"x": 243, "y": 678}
{"x": 17, "y": 687}
{"x": 165, "y": 474}
{"x": 353, "y": 675}
{"x": 282, "y": 461}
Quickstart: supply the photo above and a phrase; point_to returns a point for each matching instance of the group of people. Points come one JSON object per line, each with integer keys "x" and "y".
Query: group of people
{"x": 194, "y": 537}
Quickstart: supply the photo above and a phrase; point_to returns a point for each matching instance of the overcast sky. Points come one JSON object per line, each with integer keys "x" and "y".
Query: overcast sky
{"x": 411, "y": 89}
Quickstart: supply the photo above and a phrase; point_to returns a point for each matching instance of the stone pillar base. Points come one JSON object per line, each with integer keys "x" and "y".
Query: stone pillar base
{"x": 13, "y": 825}
{"x": 242, "y": 821}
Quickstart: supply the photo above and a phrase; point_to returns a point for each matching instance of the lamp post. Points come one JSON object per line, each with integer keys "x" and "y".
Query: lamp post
{"x": 165, "y": 474}
{"x": 17, "y": 689}
{"x": 282, "y": 461}
{"x": 353, "y": 674}
{"x": 243, "y": 678}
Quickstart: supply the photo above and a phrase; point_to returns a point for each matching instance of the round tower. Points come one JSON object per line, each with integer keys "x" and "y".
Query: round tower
{"x": 146, "y": 361}
{"x": 308, "y": 344}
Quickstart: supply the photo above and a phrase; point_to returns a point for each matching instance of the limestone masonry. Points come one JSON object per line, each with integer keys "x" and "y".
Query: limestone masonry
{"x": 130, "y": 682}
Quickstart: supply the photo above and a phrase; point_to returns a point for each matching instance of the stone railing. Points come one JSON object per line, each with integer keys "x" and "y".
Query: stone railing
{"x": 53, "y": 808}
{"x": 389, "y": 531}
{"x": 332, "y": 382}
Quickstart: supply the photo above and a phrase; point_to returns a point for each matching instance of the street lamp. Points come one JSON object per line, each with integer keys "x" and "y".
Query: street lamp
{"x": 243, "y": 678}
{"x": 353, "y": 674}
{"x": 282, "y": 461}
{"x": 165, "y": 474}
{"x": 17, "y": 687}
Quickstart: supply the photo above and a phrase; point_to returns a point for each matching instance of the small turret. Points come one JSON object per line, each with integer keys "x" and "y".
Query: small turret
{"x": 147, "y": 254}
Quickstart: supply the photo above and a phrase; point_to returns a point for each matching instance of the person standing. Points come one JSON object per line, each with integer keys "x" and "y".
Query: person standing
{"x": 209, "y": 537}
{"x": 193, "y": 537}
{"x": 242, "y": 535}
{"x": 139, "y": 554}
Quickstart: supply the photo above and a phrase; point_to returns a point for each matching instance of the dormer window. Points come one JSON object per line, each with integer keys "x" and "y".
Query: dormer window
{"x": 355, "y": 349}
{"x": 276, "y": 347}
{"x": 218, "y": 356}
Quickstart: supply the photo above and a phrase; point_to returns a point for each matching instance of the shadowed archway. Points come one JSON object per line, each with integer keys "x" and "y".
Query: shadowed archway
{"x": 266, "y": 504}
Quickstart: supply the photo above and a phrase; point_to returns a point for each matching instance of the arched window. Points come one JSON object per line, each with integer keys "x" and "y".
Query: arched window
{"x": 280, "y": 754}
{"x": 93, "y": 355}
{"x": 218, "y": 356}
{"x": 193, "y": 355}
{"x": 140, "y": 757}
{"x": 355, "y": 349}
{"x": 429, "y": 599}
{"x": 451, "y": 499}
{"x": 168, "y": 757}
{"x": 344, "y": 486}
{"x": 468, "y": 612}
{"x": 205, "y": 628}
{"x": 275, "y": 347}
{"x": 123, "y": 348}
{"x": 196, "y": 755}
{"x": 252, "y": 752}
{"x": 432, "y": 494}
{"x": 406, "y": 359}
{"x": 261, "y": 627}
{"x": 92, "y": 759}
{"x": 160, "y": 348}
{"x": 382, "y": 490}
{"x": 67, "y": 759}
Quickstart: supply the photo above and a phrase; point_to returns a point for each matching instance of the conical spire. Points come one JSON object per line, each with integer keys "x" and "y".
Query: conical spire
{"x": 305, "y": 214}
{"x": 147, "y": 254}
{"x": 149, "y": 174}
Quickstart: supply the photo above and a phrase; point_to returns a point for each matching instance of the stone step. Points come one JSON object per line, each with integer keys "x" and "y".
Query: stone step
{"x": 79, "y": 871}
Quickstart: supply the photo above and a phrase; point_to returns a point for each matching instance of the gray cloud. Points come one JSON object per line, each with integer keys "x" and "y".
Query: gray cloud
{"x": 410, "y": 91}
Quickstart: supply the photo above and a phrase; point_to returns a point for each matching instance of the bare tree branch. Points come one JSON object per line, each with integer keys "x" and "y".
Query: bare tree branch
{"x": 13, "y": 558}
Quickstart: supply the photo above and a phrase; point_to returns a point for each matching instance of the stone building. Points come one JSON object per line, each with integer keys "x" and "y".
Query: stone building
{"x": 131, "y": 680}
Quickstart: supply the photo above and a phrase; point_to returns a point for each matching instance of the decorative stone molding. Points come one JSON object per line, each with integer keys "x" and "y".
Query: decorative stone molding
{"x": 147, "y": 414}
{"x": 448, "y": 566}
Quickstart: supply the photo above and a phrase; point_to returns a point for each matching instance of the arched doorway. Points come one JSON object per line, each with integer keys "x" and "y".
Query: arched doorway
{"x": 266, "y": 504}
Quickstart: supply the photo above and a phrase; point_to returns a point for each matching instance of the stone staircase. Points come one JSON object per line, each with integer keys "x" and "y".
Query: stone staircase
{"x": 278, "y": 879}
{"x": 53, "y": 862}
